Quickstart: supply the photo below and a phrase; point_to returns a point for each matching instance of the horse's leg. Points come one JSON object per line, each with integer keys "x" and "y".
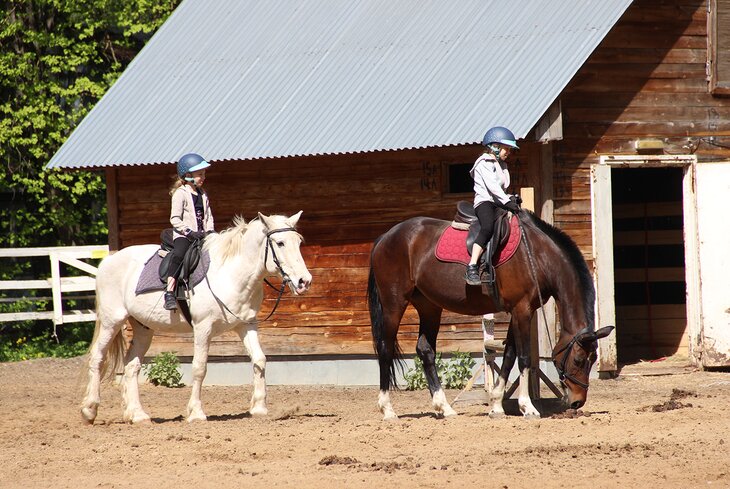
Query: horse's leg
{"x": 250, "y": 337}
{"x": 107, "y": 340}
{"x": 430, "y": 321}
{"x": 508, "y": 361}
{"x": 522, "y": 315}
{"x": 392, "y": 309}
{"x": 201, "y": 337}
{"x": 133, "y": 411}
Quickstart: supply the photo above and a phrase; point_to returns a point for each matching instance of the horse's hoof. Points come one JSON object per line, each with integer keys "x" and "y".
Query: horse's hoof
{"x": 197, "y": 418}
{"x": 531, "y": 416}
{"x": 449, "y": 413}
{"x": 89, "y": 415}
{"x": 258, "y": 411}
{"x": 493, "y": 415}
{"x": 137, "y": 418}
{"x": 390, "y": 417}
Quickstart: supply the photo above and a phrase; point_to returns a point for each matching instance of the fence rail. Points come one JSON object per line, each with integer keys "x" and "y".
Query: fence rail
{"x": 70, "y": 255}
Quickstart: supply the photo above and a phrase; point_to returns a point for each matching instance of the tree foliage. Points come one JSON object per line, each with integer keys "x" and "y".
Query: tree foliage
{"x": 57, "y": 59}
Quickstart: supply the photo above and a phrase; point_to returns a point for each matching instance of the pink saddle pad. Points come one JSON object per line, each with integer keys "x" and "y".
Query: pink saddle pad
{"x": 451, "y": 246}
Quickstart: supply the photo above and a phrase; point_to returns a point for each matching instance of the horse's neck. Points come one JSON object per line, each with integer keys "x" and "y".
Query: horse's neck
{"x": 245, "y": 269}
{"x": 565, "y": 286}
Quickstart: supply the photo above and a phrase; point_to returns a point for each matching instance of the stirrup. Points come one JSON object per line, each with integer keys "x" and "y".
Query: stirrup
{"x": 170, "y": 301}
{"x": 472, "y": 275}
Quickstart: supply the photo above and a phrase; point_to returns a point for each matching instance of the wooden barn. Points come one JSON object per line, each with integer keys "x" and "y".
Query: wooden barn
{"x": 363, "y": 115}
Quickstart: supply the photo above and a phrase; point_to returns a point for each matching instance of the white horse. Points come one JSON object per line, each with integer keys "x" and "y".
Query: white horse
{"x": 228, "y": 299}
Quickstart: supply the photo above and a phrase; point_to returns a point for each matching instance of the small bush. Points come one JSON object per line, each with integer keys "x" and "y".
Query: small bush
{"x": 164, "y": 370}
{"x": 453, "y": 373}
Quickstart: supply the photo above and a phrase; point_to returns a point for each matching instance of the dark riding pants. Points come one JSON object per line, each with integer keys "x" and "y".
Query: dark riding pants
{"x": 180, "y": 247}
{"x": 485, "y": 213}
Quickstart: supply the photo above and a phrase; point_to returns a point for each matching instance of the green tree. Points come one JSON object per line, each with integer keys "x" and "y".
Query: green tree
{"x": 57, "y": 59}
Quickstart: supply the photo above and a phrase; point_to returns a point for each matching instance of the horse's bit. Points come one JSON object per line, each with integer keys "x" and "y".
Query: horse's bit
{"x": 284, "y": 275}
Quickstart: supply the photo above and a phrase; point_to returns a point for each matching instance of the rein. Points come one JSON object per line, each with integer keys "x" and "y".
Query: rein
{"x": 284, "y": 276}
{"x": 562, "y": 374}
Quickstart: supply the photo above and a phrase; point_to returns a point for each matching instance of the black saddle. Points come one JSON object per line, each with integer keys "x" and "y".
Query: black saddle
{"x": 465, "y": 214}
{"x": 187, "y": 267}
{"x": 190, "y": 260}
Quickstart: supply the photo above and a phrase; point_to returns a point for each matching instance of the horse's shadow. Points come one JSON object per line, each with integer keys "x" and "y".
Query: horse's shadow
{"x": 215, "y": 417}
{"x": 243, "y": 415}
{"x": 546, "y": 407}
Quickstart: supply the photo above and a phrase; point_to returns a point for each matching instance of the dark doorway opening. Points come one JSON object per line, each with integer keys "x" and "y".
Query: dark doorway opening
{"x": 648, "y": 253}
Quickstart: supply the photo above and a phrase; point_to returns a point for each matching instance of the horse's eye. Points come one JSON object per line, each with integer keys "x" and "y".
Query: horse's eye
{"x": 280, "y": 244}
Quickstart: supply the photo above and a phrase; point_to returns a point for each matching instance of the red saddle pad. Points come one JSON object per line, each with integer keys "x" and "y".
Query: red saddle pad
{"x": 451, "y": 246}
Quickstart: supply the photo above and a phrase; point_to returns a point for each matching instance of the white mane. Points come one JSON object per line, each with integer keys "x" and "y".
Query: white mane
{"x": 229, "y": 242}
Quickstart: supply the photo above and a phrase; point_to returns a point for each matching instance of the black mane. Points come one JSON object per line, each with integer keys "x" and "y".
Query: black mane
{"x": 575, "y": 257}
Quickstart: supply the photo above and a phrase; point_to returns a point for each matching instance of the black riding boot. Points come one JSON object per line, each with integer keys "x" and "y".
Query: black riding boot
{"x": 170, "y": 301}
{"x": 472, "y": 275}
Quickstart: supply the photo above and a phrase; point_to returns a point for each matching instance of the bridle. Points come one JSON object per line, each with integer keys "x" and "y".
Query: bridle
{"x": 562, "y": 374}
{"x": 285, "y": 277}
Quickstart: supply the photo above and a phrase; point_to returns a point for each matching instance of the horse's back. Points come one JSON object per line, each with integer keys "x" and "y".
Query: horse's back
{"x": 123, "y": 266}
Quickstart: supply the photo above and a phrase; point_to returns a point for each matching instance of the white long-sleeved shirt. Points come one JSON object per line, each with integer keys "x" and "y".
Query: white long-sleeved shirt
{"x": 491, "y": 179}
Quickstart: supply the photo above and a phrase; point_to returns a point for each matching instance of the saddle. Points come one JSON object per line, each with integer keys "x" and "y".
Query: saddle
{"x": 155, "y": 272}
{"x": 465, "y": 214}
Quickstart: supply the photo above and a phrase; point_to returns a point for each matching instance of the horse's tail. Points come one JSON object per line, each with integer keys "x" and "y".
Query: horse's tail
{"x": 113, "y": 361}
{"x": 389, "y": 355}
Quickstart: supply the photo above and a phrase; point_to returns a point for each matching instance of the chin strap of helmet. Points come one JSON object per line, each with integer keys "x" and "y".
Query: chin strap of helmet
{"x": 495, "y": 151}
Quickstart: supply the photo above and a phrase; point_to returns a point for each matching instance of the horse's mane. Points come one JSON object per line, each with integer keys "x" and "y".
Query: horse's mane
{"x": 229, "y": 242}
{"x": 575, "y": 257}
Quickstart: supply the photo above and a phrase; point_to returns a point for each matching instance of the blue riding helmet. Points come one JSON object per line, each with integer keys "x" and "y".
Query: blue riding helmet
{"x": 501, "y": 135}
{"x": 189, "y": 163}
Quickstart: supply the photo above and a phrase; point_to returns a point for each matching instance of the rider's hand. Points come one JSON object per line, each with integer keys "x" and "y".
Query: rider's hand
{"x": 512, "y": 206}
{"x": 196, "y": 235}
{"x": 516, "y": 199}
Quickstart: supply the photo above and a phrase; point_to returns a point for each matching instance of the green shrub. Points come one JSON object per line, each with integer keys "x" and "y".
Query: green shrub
{"x": 164, "y": 370}
{"x": 28, "y": 340}
{"x": 454, "y": 373}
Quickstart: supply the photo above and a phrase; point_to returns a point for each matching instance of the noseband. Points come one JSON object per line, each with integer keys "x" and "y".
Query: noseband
{"x": 562, "y": 374}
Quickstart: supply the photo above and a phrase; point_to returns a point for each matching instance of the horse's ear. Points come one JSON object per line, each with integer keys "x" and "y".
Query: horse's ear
{"x": 292, "y": 221}
{"x": 265, "y": 220}
{"x": 604, "y": 331}
{"x": 590, "y": 337}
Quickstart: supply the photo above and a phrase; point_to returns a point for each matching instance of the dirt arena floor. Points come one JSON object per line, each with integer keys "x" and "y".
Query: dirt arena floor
{"x": 657, "y": 425}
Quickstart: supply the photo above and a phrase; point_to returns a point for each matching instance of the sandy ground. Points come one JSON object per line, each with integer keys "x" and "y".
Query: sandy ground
{"x": 657, "y": 425}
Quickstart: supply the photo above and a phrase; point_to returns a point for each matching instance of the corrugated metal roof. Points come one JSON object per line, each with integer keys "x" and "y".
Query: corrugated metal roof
{"x": 244, "y": 79}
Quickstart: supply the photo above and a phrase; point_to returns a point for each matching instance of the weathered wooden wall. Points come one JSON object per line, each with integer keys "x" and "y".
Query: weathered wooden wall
{"x": 348, "y": 200}
{"x": 647, "y": 79}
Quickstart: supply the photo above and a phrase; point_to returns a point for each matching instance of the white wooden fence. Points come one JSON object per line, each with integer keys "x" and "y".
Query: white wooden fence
{"x": 70, "y": 255}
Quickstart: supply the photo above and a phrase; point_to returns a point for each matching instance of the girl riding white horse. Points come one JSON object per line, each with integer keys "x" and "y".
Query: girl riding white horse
{"x": 230, "y": 297}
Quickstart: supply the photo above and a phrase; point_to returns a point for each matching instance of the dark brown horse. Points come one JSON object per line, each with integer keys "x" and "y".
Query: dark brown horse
{"x": 404, "y": 269}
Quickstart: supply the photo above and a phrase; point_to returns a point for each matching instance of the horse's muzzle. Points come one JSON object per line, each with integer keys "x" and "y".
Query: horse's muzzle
{"x": 301, "y": 286}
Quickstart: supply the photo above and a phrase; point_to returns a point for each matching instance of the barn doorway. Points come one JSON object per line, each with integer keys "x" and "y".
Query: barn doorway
{"x": 649, "y": 268}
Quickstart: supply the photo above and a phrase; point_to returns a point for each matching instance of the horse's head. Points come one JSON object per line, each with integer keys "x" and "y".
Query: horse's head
{"x": 283, "y": 254}
{"x": 574, "y": 361}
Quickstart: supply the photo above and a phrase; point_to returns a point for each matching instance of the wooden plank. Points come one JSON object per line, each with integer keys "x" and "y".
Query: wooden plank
{"x": 24, "y": 284}
{"x": 656, "y": 237}
{"x": 650, "y": 209}
{"x": 658, "y": 311}
{"x": 627, "y": 275}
